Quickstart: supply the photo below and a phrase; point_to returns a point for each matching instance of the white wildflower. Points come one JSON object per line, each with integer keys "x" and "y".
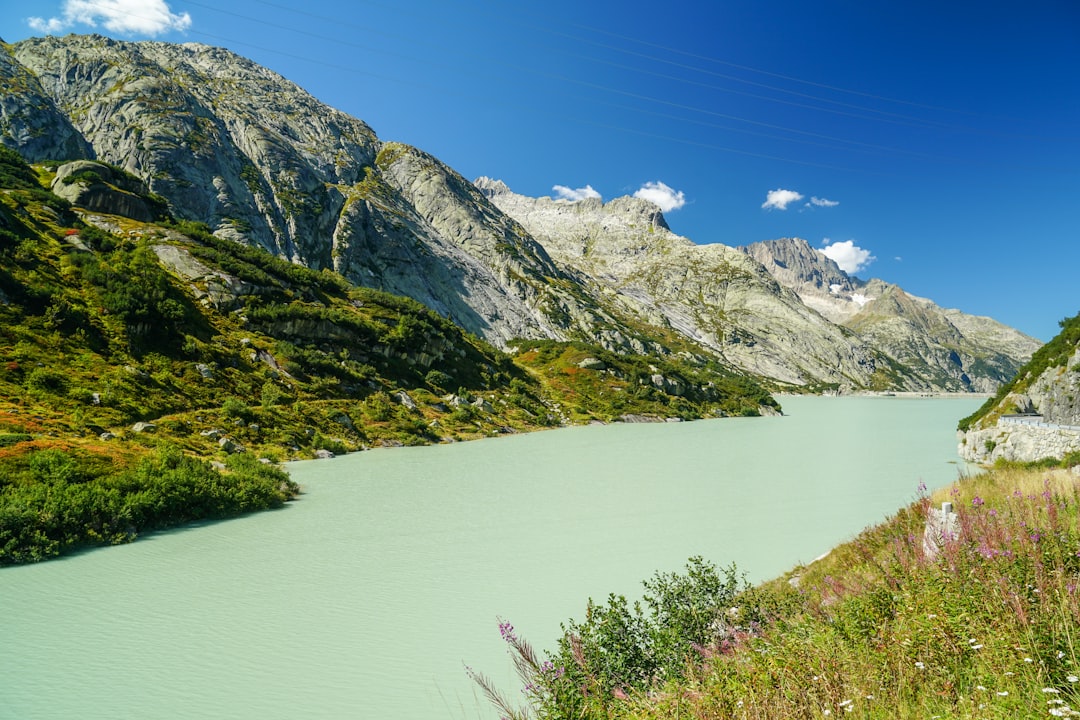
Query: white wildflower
{"x": 1072, "y": 678}
{"x": 919, "y": 664}
{"x": 1051, "y": 690}
{"x": 844, "y": 702}
{"x": 979, "y": 687}
{"x": 1003, "y": 693}
{"x": 976, "y": 647}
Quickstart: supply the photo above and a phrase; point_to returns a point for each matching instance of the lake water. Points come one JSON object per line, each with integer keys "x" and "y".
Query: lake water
{"x": 364, "y": 598}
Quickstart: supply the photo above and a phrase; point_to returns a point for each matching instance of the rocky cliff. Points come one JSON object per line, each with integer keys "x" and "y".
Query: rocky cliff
{"x": 236, "y": 146}
{"x": 1037, "y": 413}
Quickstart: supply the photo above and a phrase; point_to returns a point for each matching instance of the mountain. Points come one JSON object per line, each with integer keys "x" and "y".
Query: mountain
{"x": 942, "y": 348}
{"x": 1036, "y": 415}
{"x": 137, "y": 349}
{"x": 231, "y": 144}
{"x": 778, "y": 309}
{"x": 222, "y": 141}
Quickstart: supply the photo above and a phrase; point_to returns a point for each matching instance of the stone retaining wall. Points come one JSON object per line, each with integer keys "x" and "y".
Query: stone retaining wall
{"x": 1018, "y": 442}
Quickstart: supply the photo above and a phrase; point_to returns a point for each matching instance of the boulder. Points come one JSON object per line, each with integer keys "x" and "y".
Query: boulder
{"x": 98, "y": 187}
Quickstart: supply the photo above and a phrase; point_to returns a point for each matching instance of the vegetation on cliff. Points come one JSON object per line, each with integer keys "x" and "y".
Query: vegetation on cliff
{"x": 1055, "y": 353}
{"x": 124, "y": 343}
{"x": 978, "y": 621}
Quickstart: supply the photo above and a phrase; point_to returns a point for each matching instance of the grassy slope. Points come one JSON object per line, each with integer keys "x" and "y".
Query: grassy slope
{"x": 1052, "y": 354}
{"x": 882, "y": 629}
{"x": 96, "y": 335}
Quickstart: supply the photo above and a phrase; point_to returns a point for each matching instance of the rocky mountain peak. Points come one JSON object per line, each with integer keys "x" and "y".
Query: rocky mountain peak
{"x": 491, "y": 187}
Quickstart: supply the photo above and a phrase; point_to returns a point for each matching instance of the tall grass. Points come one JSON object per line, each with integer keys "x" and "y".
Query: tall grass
{"x": 984, "y": 625}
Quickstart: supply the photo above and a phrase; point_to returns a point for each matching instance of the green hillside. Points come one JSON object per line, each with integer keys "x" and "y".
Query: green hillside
{"x": 133, "y": 353}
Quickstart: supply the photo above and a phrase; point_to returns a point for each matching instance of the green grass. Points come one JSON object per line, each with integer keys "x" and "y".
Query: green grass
{"x": 984, "y": 628}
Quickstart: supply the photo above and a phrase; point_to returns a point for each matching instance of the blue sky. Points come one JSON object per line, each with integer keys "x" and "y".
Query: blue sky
{"x": 936, "y": 142}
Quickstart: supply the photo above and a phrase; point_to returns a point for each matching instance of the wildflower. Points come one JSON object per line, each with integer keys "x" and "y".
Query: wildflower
{"x": 739, "y": 704}
{"x": 976, "y": 647}
{"x": 1051, "y": 690}
{"x": 844, "y": 702}
{"x": 1003, "y": 693}
{"x": 1028, "y": 660}
{"x": 1058, "y": 712}
{"x": 1009, "y": 673}
{"x": 869, "y": 697}
{"x": 979, "y": 687}
{"x": 976, "y": 501}
{"x": 992, "y": 513}
{"x": 1072, "y": 678}
{"x": 919, "y": 664}
{"x": 827, "y": 712}
{"x": 1060, "y": 655}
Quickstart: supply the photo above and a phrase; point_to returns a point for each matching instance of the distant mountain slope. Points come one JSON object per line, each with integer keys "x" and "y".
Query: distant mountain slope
{"x": 943, "y": 348}
{"x": 712, "y": 294}
{"x": 779, "y": 308}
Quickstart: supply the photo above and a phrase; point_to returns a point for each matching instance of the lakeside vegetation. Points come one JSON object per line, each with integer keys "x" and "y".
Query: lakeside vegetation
{"x": 980, "y": 623}
{"x": 1055, "y": 353}
{"x": 127, "y": 345}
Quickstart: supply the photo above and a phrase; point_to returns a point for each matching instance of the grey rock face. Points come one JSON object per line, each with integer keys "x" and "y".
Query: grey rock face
{"x": 29, "y": 119}
{"x": 98, "y": 188}
{"x": 249, "y": 153}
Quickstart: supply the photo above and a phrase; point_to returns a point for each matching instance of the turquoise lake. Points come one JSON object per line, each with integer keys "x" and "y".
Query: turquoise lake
{"x": 367, "y": 596}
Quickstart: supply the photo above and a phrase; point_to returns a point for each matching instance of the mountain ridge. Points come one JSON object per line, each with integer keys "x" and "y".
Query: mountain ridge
{"x": 834, "y": 328}
{"x": 229, "y": 143}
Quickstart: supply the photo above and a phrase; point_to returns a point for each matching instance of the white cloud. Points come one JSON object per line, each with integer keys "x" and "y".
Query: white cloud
{"x": 132, "y": 17}
{"x": 660, "y": 194}
{"x": 780, "y": 199}
{"x": 574, "y": 194}
{"x": 822, "y": 202}
{"x": 848, "y": 256}
{"x": 46, "y": 27}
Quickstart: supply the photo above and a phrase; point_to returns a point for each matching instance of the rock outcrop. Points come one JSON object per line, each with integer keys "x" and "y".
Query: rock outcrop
{"x": 1037, "y": 414}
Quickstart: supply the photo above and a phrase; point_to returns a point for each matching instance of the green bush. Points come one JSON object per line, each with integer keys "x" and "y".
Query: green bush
{"x": 59, "y": 501}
